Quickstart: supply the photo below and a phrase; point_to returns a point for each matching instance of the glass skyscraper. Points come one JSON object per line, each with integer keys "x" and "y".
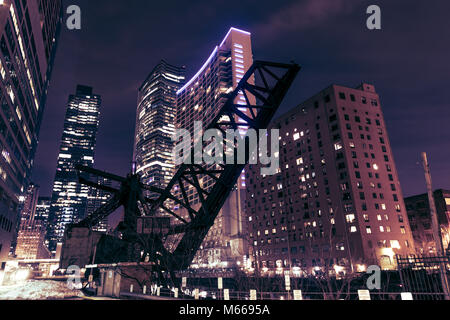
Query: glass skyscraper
{"x": 28, "y": 39}
{"x": 69, "y": 198}
{"x": 201, "y": 100}
{"x": 155, "y": 124}
{"x": 43, "y": 210}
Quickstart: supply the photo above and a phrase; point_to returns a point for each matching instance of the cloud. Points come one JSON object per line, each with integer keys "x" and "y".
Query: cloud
{"x": 300, "y": 15}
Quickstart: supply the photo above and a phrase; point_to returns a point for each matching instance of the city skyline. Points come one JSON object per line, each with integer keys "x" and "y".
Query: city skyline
{"x": 224, "y": 150}
{"x": 324, "y": 63}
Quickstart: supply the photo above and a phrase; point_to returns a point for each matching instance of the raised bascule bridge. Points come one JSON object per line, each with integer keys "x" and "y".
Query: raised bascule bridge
{"x": 152, "y": 234}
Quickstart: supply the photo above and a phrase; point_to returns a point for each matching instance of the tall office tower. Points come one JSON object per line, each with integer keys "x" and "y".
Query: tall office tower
{"x": 31, "y": 242}
{"x": 42, "y": 213}
{"x": 30, "y": 203}
{"x": 28, "y": 40}
{"x": 200, "y": 100}
{"x": 69, "y": 198}
{"x": 96, "y": 199}
{"x": 27, "y": 208}
{"x": 31, "y": 235}
{"x": 155, "y": 124}
{"x": 43, "y": 209}
{"x": 336, "y": 201}
{"x": 419, "y": 216}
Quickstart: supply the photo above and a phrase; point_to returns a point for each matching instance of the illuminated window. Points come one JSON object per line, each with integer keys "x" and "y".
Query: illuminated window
{"x": 395, "y": 244}
{"x": 350, "y": 218}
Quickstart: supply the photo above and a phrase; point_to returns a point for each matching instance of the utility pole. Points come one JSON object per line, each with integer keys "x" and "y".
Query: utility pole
{"x": 436, "y": 229}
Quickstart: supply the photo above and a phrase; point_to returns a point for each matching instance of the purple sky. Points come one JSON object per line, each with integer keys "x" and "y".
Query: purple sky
{"x": 121, "y": 41}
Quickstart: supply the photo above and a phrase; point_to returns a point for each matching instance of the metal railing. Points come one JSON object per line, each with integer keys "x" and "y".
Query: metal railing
{"x": 189, "y": 294}
{"x": 427, "y": 277}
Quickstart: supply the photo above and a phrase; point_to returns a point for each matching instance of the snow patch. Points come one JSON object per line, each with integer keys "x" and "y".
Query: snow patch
{"x": 38, "y": 290}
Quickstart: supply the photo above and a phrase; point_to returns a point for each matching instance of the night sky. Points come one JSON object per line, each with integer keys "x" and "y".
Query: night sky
{"x": 121, "y": 41}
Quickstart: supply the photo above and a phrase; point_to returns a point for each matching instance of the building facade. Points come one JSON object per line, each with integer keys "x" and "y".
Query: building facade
{"x": 335, "y": 203}
{"x": 43, "y": 209}
{"x": 30, "y": 243}
{"x": 200, "y": 100}
{"x": 155, "y": 124}
{"x": 418, "y": 208}
{"x": 30, "y": 204}
{"x": 69, "y": 197}
{"x": 27, "y": 209}
{"x": 28, "y": 40}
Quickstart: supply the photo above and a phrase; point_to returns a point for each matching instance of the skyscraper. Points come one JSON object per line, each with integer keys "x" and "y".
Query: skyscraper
{"x": 31, "y": 235}
{"x": 69, "y": 198}
{"x": 155, "y": 124}
{"x": 27, "y": 208}
{"x": 43, "y": 209}
{"x": 30, "y": 203}
{"x": 200, "y": 100}
{"x": 29, "y": 32}
{"x": 336, "y": 202}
